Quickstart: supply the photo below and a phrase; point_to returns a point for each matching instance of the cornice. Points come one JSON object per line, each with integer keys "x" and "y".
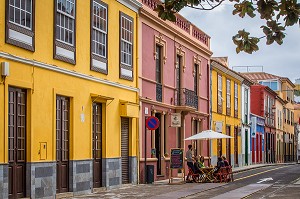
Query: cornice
{"x": 216, "y": 65}
{"x": 134, "y": 5}
{"x": 65, "y": 71}
{"x": 159, "y": 22}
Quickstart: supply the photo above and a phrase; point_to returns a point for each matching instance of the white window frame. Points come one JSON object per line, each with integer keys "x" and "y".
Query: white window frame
{"x": 21, "y": 10}
{"x": 220, "y": 90}
{"x": 235, "y": 96}
{"x": 63, "y": 16}
{"x": 228, "y": 91}
{"x": 126, "y": 40}
{"x": 99, "y": 30}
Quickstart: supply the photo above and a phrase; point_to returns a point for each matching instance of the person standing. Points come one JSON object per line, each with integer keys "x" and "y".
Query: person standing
{"x": 189, "y": 157}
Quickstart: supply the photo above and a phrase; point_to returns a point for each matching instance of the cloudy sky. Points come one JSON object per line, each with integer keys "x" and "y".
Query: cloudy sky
{"x": 282, "y": 60}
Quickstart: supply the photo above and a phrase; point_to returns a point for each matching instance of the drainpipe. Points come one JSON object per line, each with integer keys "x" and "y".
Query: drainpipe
{"x": 210, "y": 111}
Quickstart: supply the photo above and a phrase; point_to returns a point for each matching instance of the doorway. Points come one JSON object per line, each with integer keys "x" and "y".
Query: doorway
{"x": 62, "y": 143}
{"x": 228, "y": 145}
{"x": 246, "y": 147}
{"x": 125, "y": 149}
{"x": 97, "y": 145}
{"x": 236, "y": 155}
{"x": 158, "y": 145}
{"x": 16, "y": 142}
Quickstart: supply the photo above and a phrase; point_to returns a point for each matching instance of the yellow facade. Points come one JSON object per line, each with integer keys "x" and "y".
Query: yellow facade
{"x": 219, "y": 68}
{"x": 44, "y": 78}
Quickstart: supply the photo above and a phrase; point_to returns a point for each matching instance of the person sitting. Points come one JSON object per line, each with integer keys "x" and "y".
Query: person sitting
{"x": 226, "y": 163}
{"x": 197, "y": 165}
{"x": 201, "y": 161}
{"x": 220, "y": 164}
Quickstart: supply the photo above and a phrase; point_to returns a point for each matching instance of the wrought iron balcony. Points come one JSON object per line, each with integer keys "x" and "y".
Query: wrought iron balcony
{"x": 186, "y": 97}
{"x": 158, "y": 92}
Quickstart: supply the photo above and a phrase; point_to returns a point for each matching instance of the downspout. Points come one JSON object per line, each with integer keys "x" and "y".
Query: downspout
{"x": 210, "y": 112}
{"x": 138, "y": 101}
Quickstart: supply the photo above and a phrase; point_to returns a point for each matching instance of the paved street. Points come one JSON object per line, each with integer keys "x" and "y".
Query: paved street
{"x": 257, "y": 182}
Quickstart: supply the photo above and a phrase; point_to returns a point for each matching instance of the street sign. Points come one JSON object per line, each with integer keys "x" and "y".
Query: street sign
{"x": 152, "y": 123}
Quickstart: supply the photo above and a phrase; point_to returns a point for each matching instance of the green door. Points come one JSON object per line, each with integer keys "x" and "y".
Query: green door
{"x": 246, "y": 146}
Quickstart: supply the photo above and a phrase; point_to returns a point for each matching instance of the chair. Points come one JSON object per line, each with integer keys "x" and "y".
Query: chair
{"x": 191, "y": 176}
{"x": 221, "y": 175}
{"x": 230, "y": 174}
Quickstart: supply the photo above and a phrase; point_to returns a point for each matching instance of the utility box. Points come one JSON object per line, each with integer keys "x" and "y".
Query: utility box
{"x": 43, "y": 150}
{"x": 5, "y": 69}
{"x": 150, "y": 174}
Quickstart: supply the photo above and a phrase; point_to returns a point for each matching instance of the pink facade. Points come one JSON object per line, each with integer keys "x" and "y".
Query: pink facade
{"x": 174, "y": 77}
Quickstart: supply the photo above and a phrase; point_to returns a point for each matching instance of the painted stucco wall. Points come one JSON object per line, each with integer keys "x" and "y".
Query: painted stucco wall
{"x": 46, "y": 77}
{"x": 222, "y": 117}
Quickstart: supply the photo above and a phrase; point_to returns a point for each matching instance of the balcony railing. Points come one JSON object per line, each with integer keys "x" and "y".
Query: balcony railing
{"x": 183, "y": 24}
{"x": 186, "y": 97}
{"x": 158, "y": 92}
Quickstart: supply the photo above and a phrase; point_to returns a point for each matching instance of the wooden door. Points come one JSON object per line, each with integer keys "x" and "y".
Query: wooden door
{"x": 236, "y": 155}
{"x": 246, "y": 146}
{"x": 228, "y": 145}
{"x": 125, "y": 149}
{"x": 219, "y": 147}
{"x": 97, "y": 145}
{"x": 16, "y": 142}
{"x": 62, "y": 143}
{"x": 158, "y": 145}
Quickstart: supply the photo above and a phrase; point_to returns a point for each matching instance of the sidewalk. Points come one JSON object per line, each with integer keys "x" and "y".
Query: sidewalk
{"x": 162, "y": 189}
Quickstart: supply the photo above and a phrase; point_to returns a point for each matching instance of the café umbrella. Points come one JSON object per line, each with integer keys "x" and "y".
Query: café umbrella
{"x": 208, "y": 135}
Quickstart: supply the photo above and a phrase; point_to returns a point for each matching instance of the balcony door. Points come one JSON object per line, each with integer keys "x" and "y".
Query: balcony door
{"x": 16, "y": 142}
{"x": 62, "y": 143}
{"x": 97, "y": 145}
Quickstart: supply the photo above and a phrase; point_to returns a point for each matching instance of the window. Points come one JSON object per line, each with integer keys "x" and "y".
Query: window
{"x": 158, "y": 75}
{"x": 235, "y": 100}
{"x": 196, "y": 70}
{"x": 228, "y": 96}
{"x": 271, "y": 84}
{"x": 64, "y": 46}
{"x": 126, "y": 46}
{"x": 220, "y": 99}
{"x": 284, "y": 115}
{"x": 158, "y": 63}
{"x": 178, "y": 79}
{"x": 246, "y": 105}
{"x": 20, "y": 23}
{"x": 99, "y": 37}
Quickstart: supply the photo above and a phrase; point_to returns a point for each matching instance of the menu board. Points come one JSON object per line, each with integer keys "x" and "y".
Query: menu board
{"x": 176, "y": 159}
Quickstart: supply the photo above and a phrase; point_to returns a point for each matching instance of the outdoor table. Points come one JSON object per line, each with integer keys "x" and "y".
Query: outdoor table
{"x": 208, "y": 173}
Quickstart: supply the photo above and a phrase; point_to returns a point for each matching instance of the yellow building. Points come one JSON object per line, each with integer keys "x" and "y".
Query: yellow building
{"x": 226, "y": 111}
{"x": 287, "y": 93}
{"x": 68, "y": 96}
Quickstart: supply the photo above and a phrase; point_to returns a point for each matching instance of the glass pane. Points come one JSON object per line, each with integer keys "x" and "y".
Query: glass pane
{"x": 17, "y": 3}
{"x": 28, "y": 6}
{"x": 11, "y": 14}
{"x": 17, "y": 16}
{"x": 23, "y": 4}
{"x": 274, "y": 86}
{"x": 23, "y": 18}
{"x": 28, "y": 21}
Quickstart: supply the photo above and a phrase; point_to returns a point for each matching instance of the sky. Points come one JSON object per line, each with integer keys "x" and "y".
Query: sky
{"x": 282, "y": 60}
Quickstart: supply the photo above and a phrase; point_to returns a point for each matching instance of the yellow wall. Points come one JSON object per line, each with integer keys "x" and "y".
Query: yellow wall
{"x": 227, "y": 120}
{"x": 43, "y": 85}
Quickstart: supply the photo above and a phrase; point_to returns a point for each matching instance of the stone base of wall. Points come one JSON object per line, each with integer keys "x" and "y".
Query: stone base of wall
{"x": 4, "y": 181}
{"x": 133, "y": 166}
{"x": 41, "y": 180}
{"x": 81, "y": 180}
{"x": 111, "y": 172}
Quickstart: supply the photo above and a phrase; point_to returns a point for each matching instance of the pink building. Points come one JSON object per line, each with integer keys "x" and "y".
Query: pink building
{"x": 174, "y": 78}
